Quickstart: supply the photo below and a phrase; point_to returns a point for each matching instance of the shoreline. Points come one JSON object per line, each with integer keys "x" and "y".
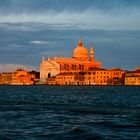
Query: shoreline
{"x": 73, "y": 85}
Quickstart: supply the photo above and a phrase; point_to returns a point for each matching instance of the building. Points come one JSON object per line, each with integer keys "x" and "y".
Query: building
{"x": 65, "y": 79}
{"x": 5, "y": 78}
{"x": 81, "y": 60}
{"x": 21, "y": 77}
{"x": 132, "y": 77}
{"x": 82, "y": 69}
{"x": 94, "y": 76}
{"x": 132, "y": 80}
{"x": 117, "y": 76}
{"x": 97, "y": 76}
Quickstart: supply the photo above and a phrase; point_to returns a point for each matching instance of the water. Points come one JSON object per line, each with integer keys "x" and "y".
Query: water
{"x": 68, "y": 112}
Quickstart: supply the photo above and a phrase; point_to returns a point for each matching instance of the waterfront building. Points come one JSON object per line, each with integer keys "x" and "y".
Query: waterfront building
{"x": 5, "y": 78}
{"x": 65, "y": 79}
{"x": 132, "y": 80}
{"x": 81, "y": 69}
{"x": 81, "y": 60}
{"x": 117, "y": 76}
{"x": 95, "y": 76}
{"x": 21, "y": 77}
{"x": 132, "y": 77}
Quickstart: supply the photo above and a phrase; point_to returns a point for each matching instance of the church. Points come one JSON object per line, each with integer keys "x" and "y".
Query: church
{"x": 81, "y": 60}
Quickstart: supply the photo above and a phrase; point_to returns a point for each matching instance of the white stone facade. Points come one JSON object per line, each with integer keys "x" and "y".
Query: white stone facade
{"x": 48, "y": 68}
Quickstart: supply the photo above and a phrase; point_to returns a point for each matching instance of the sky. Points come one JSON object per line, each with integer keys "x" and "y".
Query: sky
{"x": 32, "y": 29}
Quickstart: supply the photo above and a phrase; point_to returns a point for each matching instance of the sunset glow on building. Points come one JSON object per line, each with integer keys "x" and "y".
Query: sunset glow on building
{"x": 81, "y": 60}
{"x": 81, "y": 69}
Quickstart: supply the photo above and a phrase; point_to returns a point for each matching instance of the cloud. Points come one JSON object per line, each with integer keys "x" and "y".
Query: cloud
{"x": 90, "y": 19}
{"x": 14, "y": 67}
{"x": 113, "y": 48}
{"x": 39, "y": 6}
{"x": 65, "y": 14}
{"x": 39, "y": 42}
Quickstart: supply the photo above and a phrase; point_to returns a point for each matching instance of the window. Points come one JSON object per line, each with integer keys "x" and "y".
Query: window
{"x": 82, "y": 67}
{"x": 72, "y": 66}
{"x": 67, "y": 67}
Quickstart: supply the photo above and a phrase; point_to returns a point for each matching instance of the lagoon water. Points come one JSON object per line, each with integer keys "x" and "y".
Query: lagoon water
{"x": 69, "y": 112}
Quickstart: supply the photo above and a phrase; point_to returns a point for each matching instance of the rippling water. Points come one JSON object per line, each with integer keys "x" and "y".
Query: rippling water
{"x": 68, "y": 112}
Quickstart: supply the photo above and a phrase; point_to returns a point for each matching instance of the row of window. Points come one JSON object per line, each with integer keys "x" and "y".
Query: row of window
{"x": 65, "y": 77}
{"x": 97, "y": 77}
{"x": 86, "y": 83}
{"x": 73, "y": 67}
{"x": 117, "y": 73}
{"x": 132, "y": 79}
{"x": 105, "y": 77}
{"x": 101, "y": 72}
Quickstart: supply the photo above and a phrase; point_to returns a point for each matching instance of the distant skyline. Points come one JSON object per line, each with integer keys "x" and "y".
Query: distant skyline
{"x": 31, "y": 29}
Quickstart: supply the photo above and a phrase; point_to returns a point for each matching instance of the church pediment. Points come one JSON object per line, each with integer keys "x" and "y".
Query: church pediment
{"x": 50, "y": 64}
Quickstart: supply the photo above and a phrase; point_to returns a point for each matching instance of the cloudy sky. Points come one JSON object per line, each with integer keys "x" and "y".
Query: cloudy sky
{"x": 31, "y": 29}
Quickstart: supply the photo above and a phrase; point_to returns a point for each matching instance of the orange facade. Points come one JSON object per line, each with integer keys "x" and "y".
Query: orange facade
{"x": 95, "y": 76}
{"x": 5, "y": 78}
{"x": 21, "y": 77}
{"x": 133, "y": 77}
{"x": 132, "y": 80}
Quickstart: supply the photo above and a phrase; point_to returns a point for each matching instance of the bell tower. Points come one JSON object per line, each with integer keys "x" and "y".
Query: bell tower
{"x": 91, "y": 52}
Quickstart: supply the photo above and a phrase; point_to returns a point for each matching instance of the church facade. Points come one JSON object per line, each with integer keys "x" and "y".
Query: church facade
{"x": 81, "y": 60}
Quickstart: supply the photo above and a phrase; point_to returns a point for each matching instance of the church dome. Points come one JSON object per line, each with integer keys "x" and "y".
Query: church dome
{"x": 80, "y": 52}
